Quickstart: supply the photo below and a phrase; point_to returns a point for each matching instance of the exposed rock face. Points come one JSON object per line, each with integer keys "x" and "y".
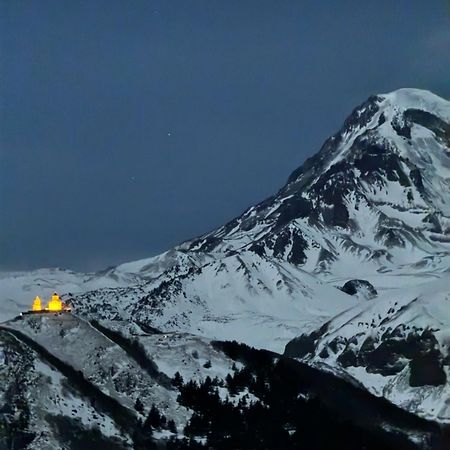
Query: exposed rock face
{"x": 427, "y": 370}
{"x": 395, "y": 346}
{"x": 359, "y": 287}
{"x": 304, "y": 344}
{"x": 389, "y": 355}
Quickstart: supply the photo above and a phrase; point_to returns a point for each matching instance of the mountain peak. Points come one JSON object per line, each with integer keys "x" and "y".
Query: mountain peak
{"x": 412, "y": 98}
{"x": 378, "y": 187}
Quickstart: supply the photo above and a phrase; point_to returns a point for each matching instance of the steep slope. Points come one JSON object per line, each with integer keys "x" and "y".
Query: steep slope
{"x": 63, "y": 378}
{"x": 41, "y": 408}
{"x": 376, "y": 193}
{"x": 398, "y": 346}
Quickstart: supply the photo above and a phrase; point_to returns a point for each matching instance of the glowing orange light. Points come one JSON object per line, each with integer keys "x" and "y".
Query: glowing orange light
{"x": 55, "y": 304}
{"x": 37, "y": 304}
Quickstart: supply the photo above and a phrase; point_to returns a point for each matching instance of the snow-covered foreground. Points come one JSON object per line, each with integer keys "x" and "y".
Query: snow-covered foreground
{"x": 52, "y": 394}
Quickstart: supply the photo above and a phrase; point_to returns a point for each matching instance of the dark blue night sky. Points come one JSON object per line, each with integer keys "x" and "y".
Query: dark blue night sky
{"x": 129, "y": 126}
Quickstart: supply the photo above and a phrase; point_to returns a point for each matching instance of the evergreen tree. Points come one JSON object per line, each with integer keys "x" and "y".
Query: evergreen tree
{"x": 171, "y": 426}
{"x": 177, "y": 379}
{"x": 142, "y": 437}
{"x": 153, "y": 419}
{"x": 207, "y": 384}
{"x": 231, "y": 385}
{"x": 139, "y": 406}
{"x": 242, "y": 404}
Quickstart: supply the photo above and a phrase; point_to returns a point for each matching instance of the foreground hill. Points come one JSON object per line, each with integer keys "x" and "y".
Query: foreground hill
{"x": 177, "y": 391}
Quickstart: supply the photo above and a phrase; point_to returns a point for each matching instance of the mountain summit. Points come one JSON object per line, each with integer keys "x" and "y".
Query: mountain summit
{"x": 380, "y": 184}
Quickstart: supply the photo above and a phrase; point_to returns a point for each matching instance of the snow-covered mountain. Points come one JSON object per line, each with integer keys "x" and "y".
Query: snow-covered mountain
{"x": 376, "y": 193}
{"x": 397, "y": 345}
{"x": 373, "y": 205}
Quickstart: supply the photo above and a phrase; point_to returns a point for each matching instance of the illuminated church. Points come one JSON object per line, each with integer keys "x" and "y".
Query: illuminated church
{"x": 55, "y": 304}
